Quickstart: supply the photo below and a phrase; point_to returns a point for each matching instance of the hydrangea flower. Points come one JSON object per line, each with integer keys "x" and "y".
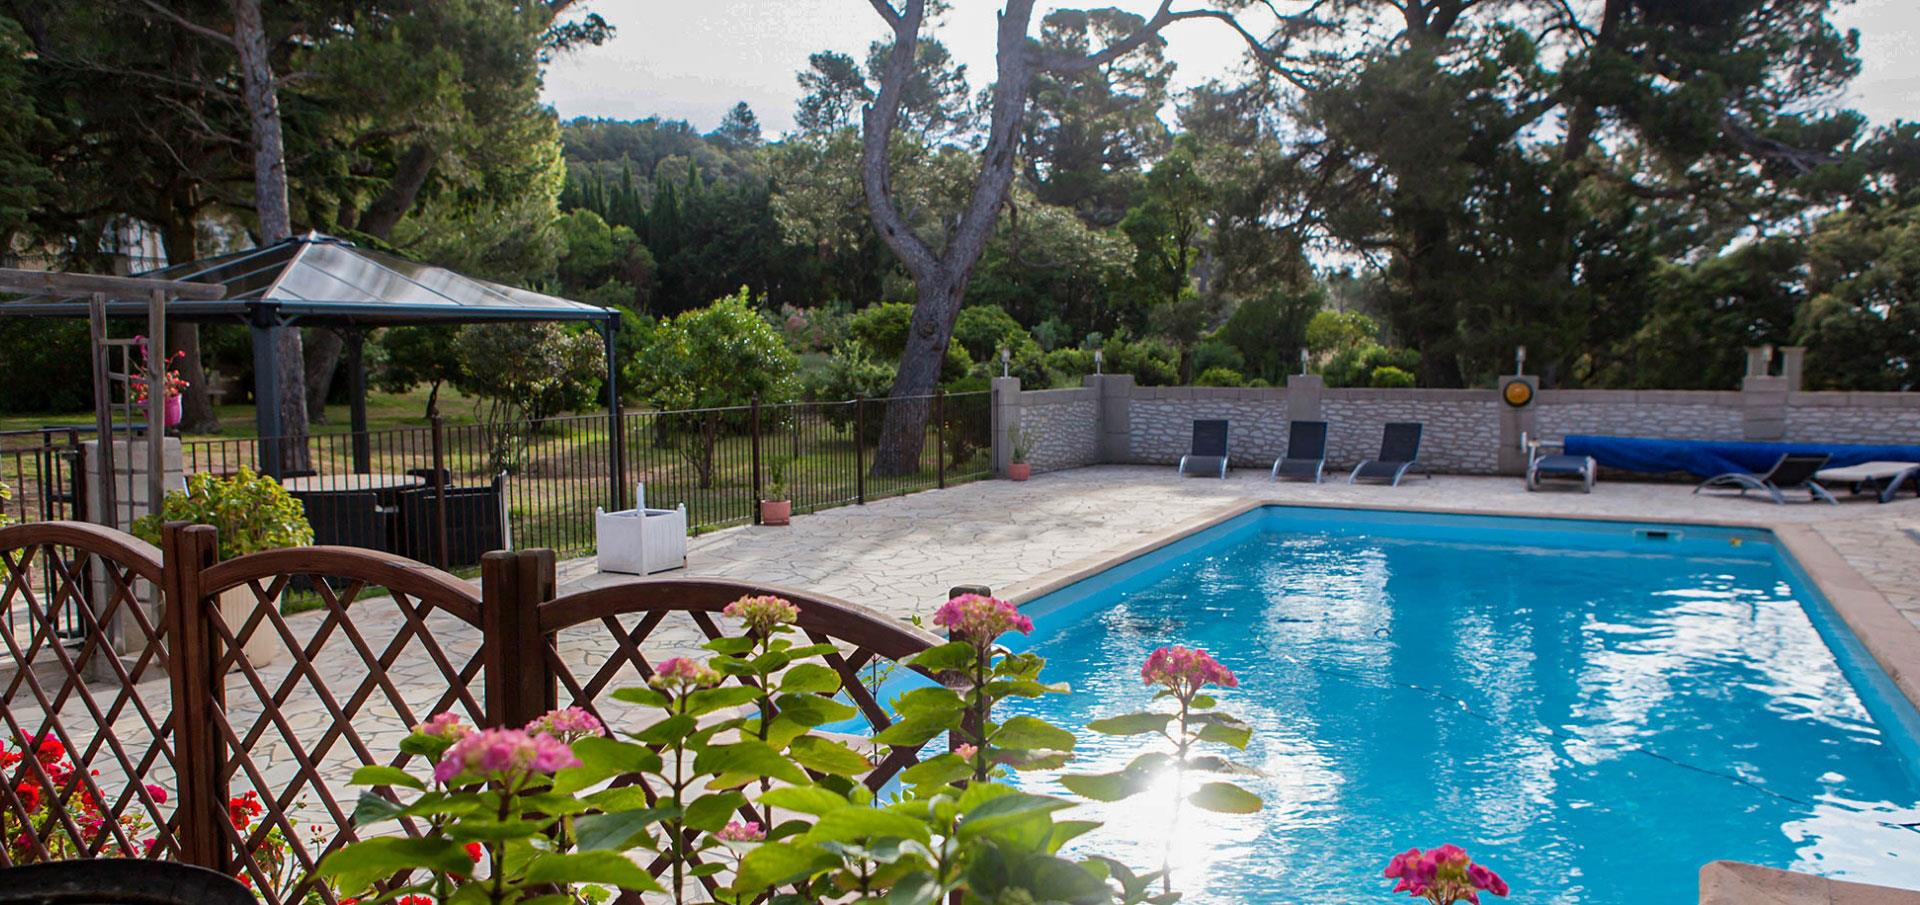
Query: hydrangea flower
{"x": 980, "y": 619}
{"x": 507, "y": 754}
{"x": 681, "y": 673}
{"x": 1443, "y": 875}
{"x": 762, "y": 613}
{"x": 736, "y": 831}
{"x": 444, "y": 726}
{"x": 568, "y": 724}
{"x": 966, "y": 751}
{"x": 1186, "y": 671}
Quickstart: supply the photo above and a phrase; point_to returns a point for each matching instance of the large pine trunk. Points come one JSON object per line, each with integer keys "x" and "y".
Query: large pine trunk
{"x": 197, "y": 415}
{"x": 903, "y": 430}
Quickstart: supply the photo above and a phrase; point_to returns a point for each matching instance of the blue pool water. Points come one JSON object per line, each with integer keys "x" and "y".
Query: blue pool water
{"x": 1594, "y": 711}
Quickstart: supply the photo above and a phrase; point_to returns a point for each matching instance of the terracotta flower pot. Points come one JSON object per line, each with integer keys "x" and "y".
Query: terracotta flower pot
{"x": 776, "y": 512}
{"x": 1019, "y": 471}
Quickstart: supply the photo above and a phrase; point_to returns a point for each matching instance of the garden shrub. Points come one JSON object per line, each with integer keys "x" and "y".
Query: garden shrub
{"x": 1390, "y": 376}
{"x": 883, "y": 328}
{"x": 1219, "y": 377}
{"x": 554, "y": 821}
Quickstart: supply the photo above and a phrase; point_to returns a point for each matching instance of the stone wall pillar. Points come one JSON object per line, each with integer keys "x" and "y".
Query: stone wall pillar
{"x": 1763, "y": 398}
{"x": 1006, "y": 415}
{"x": 1303, "y": 396}
{"x": 1516, "y": 422}
{"x": 1116, "y": 415}
{"x": 1793, "y": 367}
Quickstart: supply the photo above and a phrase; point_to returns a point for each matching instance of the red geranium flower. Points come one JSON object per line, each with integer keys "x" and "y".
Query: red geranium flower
{"x": 29, "y": 796}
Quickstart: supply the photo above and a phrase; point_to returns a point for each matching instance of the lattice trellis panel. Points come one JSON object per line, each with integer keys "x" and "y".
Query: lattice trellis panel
{"x": 341, "y": 686}
{"x": 85, "y": 706}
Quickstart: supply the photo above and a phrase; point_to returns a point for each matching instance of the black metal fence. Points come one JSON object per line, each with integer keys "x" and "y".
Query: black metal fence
{"x": 444, "y": 494}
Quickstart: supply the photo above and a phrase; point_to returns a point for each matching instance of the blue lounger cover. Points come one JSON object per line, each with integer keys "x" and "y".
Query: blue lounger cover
{"x": 1707, "y": 458}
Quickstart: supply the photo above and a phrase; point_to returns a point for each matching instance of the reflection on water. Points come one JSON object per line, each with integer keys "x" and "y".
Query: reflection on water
{"x": 1594, "y": 725}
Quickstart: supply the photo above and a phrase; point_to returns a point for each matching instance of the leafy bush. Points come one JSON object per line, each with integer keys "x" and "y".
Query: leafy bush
{"x": 404, "y": 357}
{"x": 47, "y": 367}
{"x": 1390, "y": 376}
{"x": 1333, "y": 332}
{"x": 1268, "y": 330}
{"x": 883, "y": 329}
{"x": 1214, "y": 353}
{"x": 1072, "y": 364}
{"x": 522, "y": 374}
{"x": 1152, "y": 362}
{"x": 724, "y": 355}
{"x": 1354, "y": 367}
{"x": 983, "y": 330}
{"x": 251, "y": 511}
{"x": 1219, "y": 377}
{"x": 555, "y": 822}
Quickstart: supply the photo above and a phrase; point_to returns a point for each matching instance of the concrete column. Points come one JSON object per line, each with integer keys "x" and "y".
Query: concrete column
{"x": 1303, "y": 396}
{"x": 1763, "y": 407}
{"x": 1793, "y": 366}
{"x": 1516, "y": 422}
{"x": 1006, "y": 416}
{"x": 1116, "y": 415}
{"x": 1758, "y": 361}
{"x": 131, "y": 496}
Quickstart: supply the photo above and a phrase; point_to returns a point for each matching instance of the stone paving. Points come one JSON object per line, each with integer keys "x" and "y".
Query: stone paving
{"x": 899, "y": 556}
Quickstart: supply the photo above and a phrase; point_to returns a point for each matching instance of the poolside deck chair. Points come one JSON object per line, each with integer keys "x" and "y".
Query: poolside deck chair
{"x": 1306, "y": 452}
{"x": 1543, "y": 466}
{"x": 1793, "y": 471}
{"x": 1399, "y": 452}
{"x": 1209, "y": 456}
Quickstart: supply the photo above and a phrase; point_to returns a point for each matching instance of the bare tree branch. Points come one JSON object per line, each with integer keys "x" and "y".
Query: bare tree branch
{"x": 211, "y": 34}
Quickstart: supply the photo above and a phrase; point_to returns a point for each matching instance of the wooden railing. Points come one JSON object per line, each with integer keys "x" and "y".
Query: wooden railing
{"x": 190, "y": 688}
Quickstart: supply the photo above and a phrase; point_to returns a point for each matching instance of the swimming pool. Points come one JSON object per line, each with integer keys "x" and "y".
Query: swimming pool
{"x": 1594, "y": 709}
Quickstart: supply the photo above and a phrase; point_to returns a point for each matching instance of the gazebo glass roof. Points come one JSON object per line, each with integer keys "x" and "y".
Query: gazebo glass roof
{"x": 317, "y": 279}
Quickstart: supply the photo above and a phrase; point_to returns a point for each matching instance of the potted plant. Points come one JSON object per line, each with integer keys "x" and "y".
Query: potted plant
{"x": 776, "y": 508}
{"x": 170, "y": 379}
{"x": 251, "y": 512}
{"x": 1021, "y": 444}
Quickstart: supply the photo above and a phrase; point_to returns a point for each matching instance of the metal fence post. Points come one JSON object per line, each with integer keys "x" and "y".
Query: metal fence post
{"x": 440, "y": 547}
{"x": 617, "y": 439}
{"x": 860, "y": 450}
{"x": 753, "y": 428}
{"x": 518, "y": 683}
{"x": 940, "y": 437}
{"x": 193, "y": 655}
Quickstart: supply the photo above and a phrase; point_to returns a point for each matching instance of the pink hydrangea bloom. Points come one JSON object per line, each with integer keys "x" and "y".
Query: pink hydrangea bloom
{"x": 1443, "y": 875}
{"x": 736, "y": 831}
{"x": 566, "y": 724}
{"x": 503, "y": 754}
{"x": 1186, "y": 671}
{"x": 444, "y": 726}
{"x": 980, "y": 619}
{"x": 762, "y": 613}
{"x": 683, "y": 672}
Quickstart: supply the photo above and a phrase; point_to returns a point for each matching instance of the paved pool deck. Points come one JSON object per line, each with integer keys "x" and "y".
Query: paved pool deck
{"x": 899, "y": 556}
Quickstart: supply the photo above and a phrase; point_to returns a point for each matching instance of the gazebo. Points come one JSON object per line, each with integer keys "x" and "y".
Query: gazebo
{"x": 317, "y": 280}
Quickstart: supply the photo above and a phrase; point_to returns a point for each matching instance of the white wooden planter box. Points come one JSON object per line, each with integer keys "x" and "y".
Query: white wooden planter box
{"x": 641, "y": 541}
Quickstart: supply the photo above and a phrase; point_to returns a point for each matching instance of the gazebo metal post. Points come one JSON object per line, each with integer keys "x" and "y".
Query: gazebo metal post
{"x": 616, "y": 430}
{"x": 357, "y": 389}
{"x": 266, "y": 390}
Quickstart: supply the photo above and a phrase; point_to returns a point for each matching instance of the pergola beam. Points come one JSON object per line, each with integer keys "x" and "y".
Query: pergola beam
{"x": 41, "y": 282}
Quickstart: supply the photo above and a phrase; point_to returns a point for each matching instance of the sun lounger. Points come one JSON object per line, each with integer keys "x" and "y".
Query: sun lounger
{"x": 1794, "y": 471}
{"x": 1209, "y": 456}
{"x": 1399, "y": 452}
{"x": 1880, "y": 477}
{"x": 1306, "y": 452}
{"x": 1542, "y": 466}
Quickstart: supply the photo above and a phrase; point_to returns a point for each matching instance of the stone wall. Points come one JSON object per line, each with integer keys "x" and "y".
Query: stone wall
{"x": 1063, "y": 427}
{"x": 1466, "y": 431}
{"x": 1854, "y": 418}
{"x": 1656, "y": 414}
{"x": 1162, "y": 423}
{"x": 1461, "y": 433}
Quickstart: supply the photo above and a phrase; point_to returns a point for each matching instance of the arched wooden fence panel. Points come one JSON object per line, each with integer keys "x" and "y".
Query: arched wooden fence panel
{"x": 190, "y": 684}
{"x": 86, "y": 650}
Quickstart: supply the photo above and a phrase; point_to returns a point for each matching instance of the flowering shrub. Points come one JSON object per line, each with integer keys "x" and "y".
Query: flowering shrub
{"x": 1181, "y": 675}
{"x": 1443, "y": 875}
{"x": 745, "y": 799}
{"x": 57, "y": 803}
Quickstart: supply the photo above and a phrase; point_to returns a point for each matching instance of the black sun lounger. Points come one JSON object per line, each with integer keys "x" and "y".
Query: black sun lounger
{"x": 1794, "y": 471}
{"x": 1399, "y": 451}
{"x": 1306, "y": 452}
{"x": 1209, "y": 456}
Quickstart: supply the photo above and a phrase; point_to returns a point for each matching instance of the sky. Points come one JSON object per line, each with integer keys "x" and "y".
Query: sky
{"x": 694, "y": 60}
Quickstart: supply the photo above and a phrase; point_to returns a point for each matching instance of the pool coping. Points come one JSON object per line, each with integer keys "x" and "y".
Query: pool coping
{"x": 1892, "y": 640}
